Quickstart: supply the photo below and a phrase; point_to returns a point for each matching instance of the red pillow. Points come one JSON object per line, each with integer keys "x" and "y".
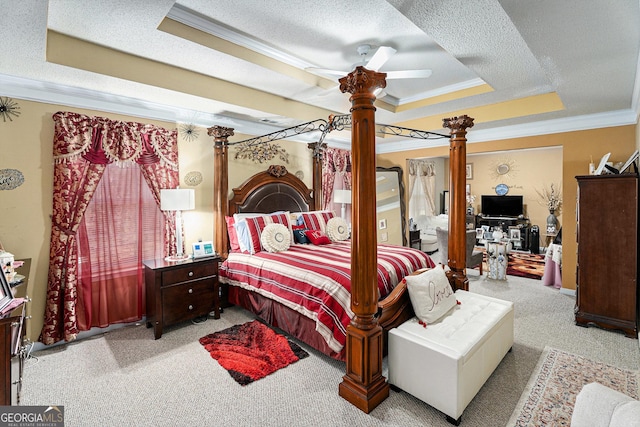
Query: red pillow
{"x": 317, "y": 237}
{"x": 233, "y": 235}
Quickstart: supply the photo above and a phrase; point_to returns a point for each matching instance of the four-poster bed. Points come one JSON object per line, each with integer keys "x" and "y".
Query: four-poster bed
{"x": 363, "y": 385}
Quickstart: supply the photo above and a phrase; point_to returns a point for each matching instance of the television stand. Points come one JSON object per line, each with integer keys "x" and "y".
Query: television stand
{"x": 504, "y": 222}
{"x": 507, "y": 218}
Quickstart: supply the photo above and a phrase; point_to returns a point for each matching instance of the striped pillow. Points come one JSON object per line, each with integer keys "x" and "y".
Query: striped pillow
{"x": 316, "y": 220}
{"x": 255, "y": 226}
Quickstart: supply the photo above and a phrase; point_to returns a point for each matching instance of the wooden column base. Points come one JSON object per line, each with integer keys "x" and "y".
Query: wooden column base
{"x": 458, "y": 279}
{"x": 364, "y": 386}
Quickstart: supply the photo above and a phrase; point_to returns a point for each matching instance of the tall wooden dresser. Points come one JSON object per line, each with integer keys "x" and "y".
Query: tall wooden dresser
{"x": 607, "y": 270}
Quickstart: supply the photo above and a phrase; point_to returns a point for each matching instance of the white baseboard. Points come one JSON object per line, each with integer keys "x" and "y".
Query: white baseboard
{"x": 37, "y": 346}
{"x": 571, "y": 292}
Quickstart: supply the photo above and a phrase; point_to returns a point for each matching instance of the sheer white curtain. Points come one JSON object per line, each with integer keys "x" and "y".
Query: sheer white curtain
{"x": 422, "y": 187}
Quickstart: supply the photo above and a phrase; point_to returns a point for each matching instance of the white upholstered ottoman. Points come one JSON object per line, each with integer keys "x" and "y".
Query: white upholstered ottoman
{"x": 446, "y": 363}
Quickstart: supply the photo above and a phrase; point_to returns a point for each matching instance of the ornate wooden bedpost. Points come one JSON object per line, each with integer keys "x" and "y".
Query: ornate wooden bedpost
{"x": 457, "y": 210}
{"x": 318, "y": 154}
{"x": 220, "y": 186}
{"x": 363, "y": 385}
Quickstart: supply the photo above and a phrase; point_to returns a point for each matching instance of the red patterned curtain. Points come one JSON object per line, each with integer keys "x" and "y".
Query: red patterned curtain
{"x": 82, "y": 148}
{"x": 336, "y": 175}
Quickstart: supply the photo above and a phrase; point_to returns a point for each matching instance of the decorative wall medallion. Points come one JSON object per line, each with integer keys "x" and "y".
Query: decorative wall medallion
{"x": 193, "y": 178}
{"x": 10, "y": 179}
{"x": 188, "y": 131}
{"x": 299, "y": 175}
{"x": 8, "y": 109}
{"x": 503, "y": 169}
{"x": 261, "y": 152}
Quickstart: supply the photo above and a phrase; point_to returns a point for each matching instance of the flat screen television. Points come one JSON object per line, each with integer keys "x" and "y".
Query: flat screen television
{"x": 502, "y": 206}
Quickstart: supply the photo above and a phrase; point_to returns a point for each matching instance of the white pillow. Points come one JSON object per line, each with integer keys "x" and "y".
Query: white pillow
{"x": 431, "y": 294}
{"x": 244, "y": 238}
{"x": 275, "y": 238}
{"x": 337, "y": 229}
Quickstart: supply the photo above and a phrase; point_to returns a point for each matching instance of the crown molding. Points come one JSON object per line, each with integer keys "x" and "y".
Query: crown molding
{"x": 192, "y": 19}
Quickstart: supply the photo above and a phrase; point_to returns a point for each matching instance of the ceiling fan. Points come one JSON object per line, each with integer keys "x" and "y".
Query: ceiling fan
{"x": 379, "y": 58}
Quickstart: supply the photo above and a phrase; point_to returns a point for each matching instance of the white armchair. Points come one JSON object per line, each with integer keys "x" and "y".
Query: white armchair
{"x": 597, "y": 405}
{"x": 427, "y": 226}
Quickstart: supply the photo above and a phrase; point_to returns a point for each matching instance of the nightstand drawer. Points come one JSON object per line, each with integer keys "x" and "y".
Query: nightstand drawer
{"x": 188, "y": 300}
{"x": 188, "y": 272}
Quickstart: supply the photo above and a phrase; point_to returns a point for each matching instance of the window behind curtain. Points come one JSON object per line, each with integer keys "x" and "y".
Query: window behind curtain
{"x": 122, "y": 227}
{"x": 418, "y": 201}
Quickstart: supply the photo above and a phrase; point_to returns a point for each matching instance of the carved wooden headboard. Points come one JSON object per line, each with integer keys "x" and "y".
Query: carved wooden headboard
{"x": 272, "y": 190}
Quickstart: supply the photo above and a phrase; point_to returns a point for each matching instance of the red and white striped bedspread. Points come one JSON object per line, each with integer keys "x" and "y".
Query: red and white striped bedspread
{"x": 316, "y": 280}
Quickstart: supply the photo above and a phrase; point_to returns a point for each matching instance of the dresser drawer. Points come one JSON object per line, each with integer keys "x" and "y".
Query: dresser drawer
{"x": 187, "y": 300}
{"x": 188, "y": 272}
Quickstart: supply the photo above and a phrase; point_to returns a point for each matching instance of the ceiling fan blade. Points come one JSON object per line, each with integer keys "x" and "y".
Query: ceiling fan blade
{"x": 409, "y": 74}
{"x": 381, "y": 56}
{"x": 379, "y": 93}
{"x": 326, "y": 72}
{"x": 330, "y": 91}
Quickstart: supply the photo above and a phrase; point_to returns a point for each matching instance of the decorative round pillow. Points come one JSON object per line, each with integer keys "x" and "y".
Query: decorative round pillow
{"x": 275, "y": 238}
{"x": 337, "y": 229}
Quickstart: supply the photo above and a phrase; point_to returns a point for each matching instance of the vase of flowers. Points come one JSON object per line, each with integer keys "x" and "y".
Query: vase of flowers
{"x": 471, "y": 198}
{"x": 551, "y": 198}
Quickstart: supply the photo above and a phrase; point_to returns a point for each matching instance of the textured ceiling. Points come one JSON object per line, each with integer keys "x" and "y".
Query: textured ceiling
{"x": 514, "y": 65}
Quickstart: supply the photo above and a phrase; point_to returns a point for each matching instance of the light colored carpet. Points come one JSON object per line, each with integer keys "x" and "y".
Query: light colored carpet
{"x": 125, "y": 377}
{"x": 551, "y": 393}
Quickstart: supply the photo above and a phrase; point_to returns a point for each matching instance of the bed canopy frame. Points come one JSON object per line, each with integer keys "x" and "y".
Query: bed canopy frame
{"x": 363, "y": 384}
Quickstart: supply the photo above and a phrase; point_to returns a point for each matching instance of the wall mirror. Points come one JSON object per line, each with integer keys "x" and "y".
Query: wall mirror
{"x": 390, "y": 206}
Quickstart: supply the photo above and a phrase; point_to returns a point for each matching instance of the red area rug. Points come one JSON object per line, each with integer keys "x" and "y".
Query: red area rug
{"x": 251, "y": 351}
{"x": 525, "y": 265}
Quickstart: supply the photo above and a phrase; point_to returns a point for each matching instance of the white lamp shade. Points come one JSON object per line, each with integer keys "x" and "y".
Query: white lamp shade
{"x": 342, "y": 196}
{"x": 177, "y": 199}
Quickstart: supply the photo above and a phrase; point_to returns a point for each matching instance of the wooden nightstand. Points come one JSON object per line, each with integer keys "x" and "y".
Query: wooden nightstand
{"x": 414, "y": 239}
{"x": 177, "y": 292}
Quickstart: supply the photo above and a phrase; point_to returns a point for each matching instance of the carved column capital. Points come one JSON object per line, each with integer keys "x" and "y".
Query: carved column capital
{"x": 362, "y": 81}
{"x": 220, "y": 134}
{"x": 458, "y": 124}
{"x": 317, "y": 148}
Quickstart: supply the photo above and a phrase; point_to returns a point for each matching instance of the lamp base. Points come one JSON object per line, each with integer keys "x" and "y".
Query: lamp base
{"x": 177, "y": 258}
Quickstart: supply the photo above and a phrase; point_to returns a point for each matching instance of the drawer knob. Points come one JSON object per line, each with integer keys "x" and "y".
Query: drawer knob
{"x": 190, "y": 290}
{"x": 190, "y": 273}
{"x": 190, "y": 307}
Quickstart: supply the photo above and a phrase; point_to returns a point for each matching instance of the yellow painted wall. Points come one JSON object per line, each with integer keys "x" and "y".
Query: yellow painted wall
{"x": 25, "y": 228}
{"x": 577, "y": 149}
{"x": 531, "y": 170}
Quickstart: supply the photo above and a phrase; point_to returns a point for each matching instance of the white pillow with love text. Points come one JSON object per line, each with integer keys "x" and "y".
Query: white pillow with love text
{"x": 431, "y": 294}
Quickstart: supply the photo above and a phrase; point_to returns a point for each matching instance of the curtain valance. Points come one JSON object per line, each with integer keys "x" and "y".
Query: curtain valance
{"x": 103, "y": 140}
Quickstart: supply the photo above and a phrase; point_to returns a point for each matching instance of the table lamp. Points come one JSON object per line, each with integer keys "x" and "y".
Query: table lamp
{"x": 344, "y": 197}
{"x": 177, "y": 200}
